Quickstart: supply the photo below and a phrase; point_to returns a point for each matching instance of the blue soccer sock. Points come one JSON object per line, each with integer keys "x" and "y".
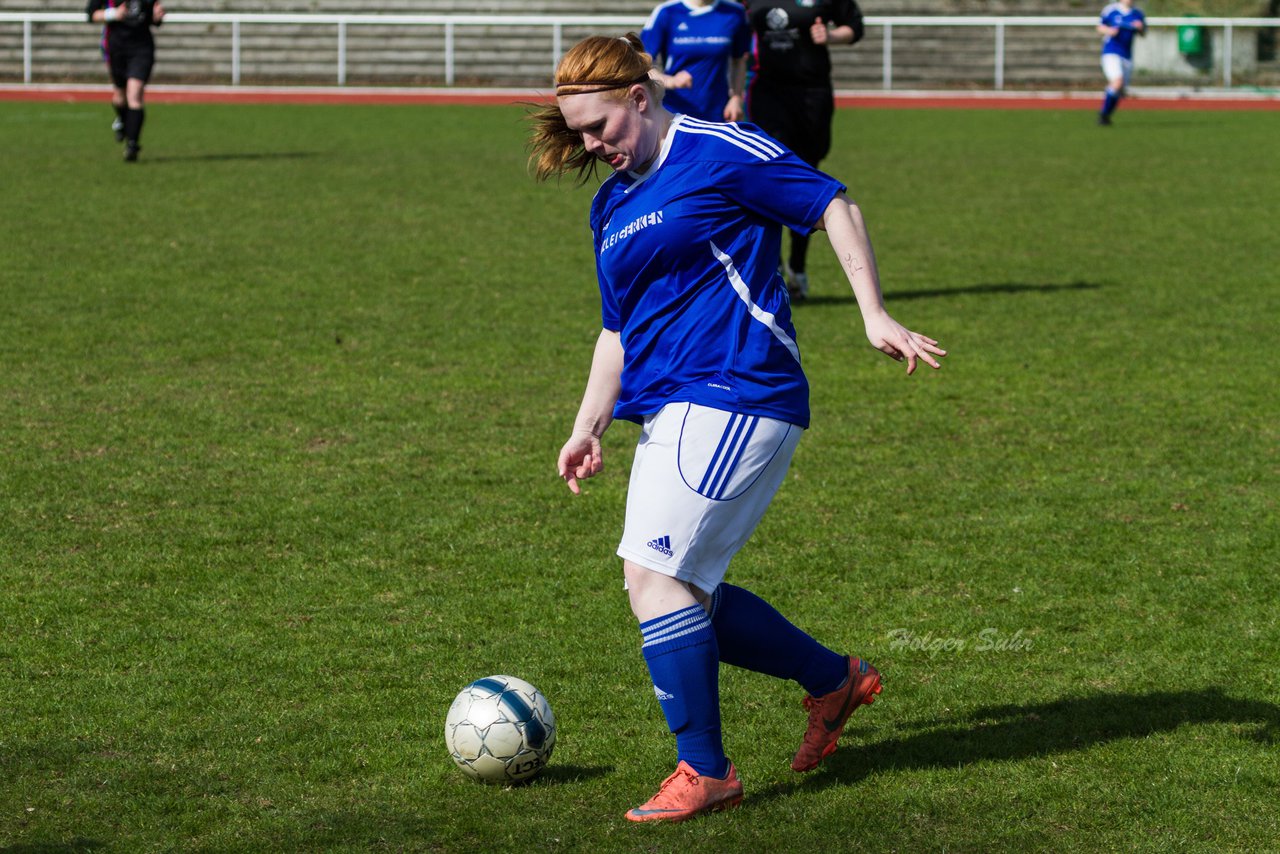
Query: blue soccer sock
{"x": 752, "y": 634}
{"x": 1110, "y": 102}
{"x": 680, "y": 650}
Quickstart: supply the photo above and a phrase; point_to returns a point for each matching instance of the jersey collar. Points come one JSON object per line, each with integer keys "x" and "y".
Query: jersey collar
{"x": 640, "y": 178}
{"x": 700, "y": 10}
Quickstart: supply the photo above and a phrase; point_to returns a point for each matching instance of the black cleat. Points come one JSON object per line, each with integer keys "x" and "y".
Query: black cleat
{"x": 1104, "y": 120}
{"x": 131, "y": 150}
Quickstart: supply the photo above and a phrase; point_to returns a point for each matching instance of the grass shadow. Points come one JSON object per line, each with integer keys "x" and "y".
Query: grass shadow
{"x": 562, "y": 775}
{"x": 967, "y": 290}
{"x": 75, "y": 846}
{"x": 378, "y": 827}
{"x": 1016, "y": 732}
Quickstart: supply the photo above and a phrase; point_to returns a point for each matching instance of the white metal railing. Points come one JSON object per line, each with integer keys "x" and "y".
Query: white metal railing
{"x": 557, "y": 23}
{"x": 1001, "y": 23}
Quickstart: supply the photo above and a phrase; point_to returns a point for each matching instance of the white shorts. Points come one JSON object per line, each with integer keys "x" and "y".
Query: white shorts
{"x": 1115, "y": 67}
{"x": 701, "y": 481}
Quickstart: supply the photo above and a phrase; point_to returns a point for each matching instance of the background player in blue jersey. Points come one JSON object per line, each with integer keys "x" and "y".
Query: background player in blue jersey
{"x": 703, "y": 46}
{"x": 791, "y": 95}
{"x": 130, "y": 53}
{"x": 1119, "y": 24}
{"x": 698, "y": 348}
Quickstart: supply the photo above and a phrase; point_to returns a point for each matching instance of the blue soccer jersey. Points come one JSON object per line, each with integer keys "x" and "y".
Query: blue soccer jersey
{"x": 687, "y": 258}
{"x": 1126, "y": 20}
{"x": 701, "y": 40}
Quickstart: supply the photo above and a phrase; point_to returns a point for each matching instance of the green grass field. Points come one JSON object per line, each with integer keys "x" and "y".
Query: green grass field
{"x": 281, "y": 409}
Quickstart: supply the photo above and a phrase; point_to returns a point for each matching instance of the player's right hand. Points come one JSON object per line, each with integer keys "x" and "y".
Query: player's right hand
{"x": 580, "y": 458}
{"x": 819, "y": 32}
{"x": 680, "y": 80}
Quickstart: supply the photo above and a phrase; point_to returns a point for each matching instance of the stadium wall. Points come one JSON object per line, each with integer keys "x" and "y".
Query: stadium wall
{"x": 933, "y": 57}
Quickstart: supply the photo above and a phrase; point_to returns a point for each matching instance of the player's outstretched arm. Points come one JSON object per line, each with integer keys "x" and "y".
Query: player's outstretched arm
{"x": 822, "y": 33}
{"x": 580, "y": 457}
{"x": 679, "y": 80}
{"x": 733, "y": 111}
{"x": 847, "y": 233}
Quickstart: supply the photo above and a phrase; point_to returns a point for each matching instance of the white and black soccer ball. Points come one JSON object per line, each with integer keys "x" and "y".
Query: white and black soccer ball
{"x": 500, "y": 729}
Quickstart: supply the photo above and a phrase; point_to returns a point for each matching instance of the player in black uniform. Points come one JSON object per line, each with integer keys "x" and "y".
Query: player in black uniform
{"x": 130, "y": 52}
{"x": 791, "y": 96}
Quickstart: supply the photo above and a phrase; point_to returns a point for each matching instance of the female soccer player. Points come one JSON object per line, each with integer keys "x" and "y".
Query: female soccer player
{"x": 704, "y": 46}
{"x": 791, "y": 96}
{"x": 698, "y": 348}
{"x": 130, "y": 52}
{"x": 1119, "y": 23}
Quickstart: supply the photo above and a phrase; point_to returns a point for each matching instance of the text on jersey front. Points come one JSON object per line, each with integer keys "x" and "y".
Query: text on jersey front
{"x": 641, "y": 222}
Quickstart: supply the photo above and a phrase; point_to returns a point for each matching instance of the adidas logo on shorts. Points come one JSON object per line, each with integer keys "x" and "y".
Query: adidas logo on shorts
{"x": 662, "y": 544}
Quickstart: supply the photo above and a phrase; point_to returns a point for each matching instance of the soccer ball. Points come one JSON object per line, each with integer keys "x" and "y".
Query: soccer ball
{"x": 500, "y": 730}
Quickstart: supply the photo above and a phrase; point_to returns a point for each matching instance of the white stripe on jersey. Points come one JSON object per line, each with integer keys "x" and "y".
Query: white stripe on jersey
{"x": 652, "y": 20}
{"x": 751, "y": 143}
{"x": 763, "y": 141}
{"x": 744, "y": 292}
{"x": 754, "y": 144}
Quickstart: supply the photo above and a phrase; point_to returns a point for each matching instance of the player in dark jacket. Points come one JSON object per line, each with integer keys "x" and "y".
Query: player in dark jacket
{"x": 130, "y": 52}
{"x": 791, "y": 96}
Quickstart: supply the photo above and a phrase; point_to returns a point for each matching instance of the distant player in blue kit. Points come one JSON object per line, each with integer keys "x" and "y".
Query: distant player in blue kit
{"x": 1119, "y": 24}
{"x": 698, "y": 348}
{"x": 703, "y": 45}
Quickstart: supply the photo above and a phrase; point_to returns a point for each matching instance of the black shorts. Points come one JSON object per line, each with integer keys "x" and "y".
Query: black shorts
{"x": 131, "y": 64}
{"x": 799, "y": 117}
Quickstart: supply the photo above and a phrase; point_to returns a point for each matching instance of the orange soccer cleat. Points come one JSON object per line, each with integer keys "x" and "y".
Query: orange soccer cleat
{"x": 686, "y": 793}
{"x": 828, "y": 714}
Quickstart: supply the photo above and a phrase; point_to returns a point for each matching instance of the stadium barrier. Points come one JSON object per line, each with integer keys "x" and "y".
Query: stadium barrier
{"x": 1221, "y": 32}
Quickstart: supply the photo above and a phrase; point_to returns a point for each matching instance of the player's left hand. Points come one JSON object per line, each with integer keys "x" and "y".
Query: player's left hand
{"x": 896, "y": 341}
{"x": 819, "y": 32}
{"x": 157, "y": 12}
{"x": 733, "y": 111}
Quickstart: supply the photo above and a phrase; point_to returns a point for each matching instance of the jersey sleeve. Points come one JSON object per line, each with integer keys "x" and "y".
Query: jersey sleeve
{"x": 654, "y": 34}
{"x": 741, "y": 39}
{"x": 783, "y": 189}
{"x": 847, "y": 14}
{"x": 610, "y": 315}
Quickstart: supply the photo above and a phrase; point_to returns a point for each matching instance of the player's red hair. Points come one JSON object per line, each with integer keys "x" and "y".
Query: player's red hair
{"x": 603, "y": 64}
